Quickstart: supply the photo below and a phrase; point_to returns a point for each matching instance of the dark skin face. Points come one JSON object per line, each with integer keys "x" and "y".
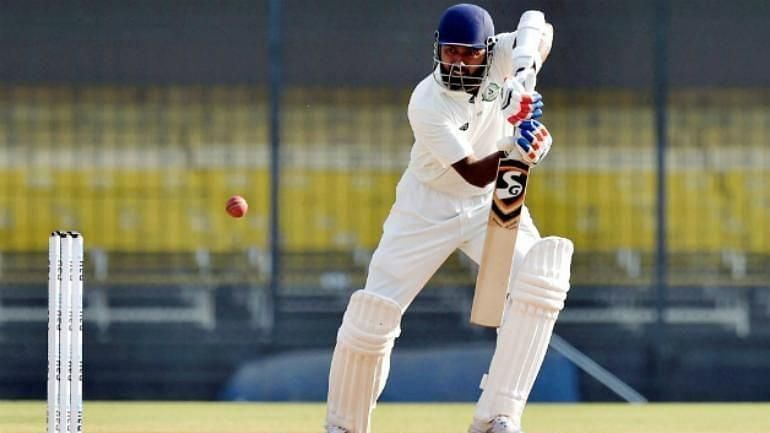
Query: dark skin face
{"x": 467, "y": 76}
{"x": 470, "y": 56}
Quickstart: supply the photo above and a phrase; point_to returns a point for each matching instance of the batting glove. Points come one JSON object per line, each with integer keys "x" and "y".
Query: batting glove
{"x": 518, "y": 104}
{"x": 532, "y": 140}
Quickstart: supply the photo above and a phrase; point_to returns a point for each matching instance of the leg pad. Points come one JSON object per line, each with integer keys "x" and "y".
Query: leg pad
{"x": 361, "y": 360}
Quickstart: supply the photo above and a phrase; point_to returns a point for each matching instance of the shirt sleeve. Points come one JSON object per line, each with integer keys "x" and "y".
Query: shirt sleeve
{"x": 437, "y": 133}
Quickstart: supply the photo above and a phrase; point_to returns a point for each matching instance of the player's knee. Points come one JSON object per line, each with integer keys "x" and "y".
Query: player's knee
{"x": 371, "y": 323}
{"x": 543, "y": 280}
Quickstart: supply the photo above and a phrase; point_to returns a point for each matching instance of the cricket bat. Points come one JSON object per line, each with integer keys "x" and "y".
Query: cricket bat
{"x": 508, "y": 196}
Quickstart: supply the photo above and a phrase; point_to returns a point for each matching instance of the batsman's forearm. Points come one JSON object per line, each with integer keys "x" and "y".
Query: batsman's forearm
{"x": 479, "y": 172}
{"x": 491, "y": 162}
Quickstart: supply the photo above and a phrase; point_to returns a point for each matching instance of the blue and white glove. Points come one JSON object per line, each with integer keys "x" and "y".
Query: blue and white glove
{"x": 532, "y": 140}
{"x": 517, "y": 104}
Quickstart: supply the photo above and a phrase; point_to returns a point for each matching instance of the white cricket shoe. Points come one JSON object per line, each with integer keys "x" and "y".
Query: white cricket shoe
{"x": 335, "y": 429}
{"x": 503, "y": 424}
{"x": 499, "y": 424}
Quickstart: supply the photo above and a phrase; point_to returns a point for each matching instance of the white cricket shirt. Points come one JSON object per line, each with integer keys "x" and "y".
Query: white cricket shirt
{"x": 449, "y": 125}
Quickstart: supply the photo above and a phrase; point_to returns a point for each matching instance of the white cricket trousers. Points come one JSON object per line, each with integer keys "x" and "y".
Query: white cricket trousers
{"x": 424, "y": 228}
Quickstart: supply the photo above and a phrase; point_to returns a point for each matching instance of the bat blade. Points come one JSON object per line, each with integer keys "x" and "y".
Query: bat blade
{"x": 499, "y": 243}
{"x": 510, "y": 188}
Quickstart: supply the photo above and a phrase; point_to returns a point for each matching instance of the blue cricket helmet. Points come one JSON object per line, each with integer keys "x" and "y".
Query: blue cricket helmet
{"x": 465, "y": 24}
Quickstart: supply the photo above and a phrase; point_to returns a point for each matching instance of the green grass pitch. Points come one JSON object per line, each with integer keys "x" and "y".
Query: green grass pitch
{"x": 165, "y": 417}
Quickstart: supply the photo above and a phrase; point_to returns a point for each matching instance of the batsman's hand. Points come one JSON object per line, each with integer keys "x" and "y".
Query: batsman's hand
{"x": 518, "y": 104}
{"x": 532, "y": 140}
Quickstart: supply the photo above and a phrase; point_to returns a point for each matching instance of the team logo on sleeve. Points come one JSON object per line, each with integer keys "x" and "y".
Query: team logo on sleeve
{"x": 490, "y": 92}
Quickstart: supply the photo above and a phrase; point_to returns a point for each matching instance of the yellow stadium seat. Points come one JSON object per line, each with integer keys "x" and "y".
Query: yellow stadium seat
{"x": 343, "y": 150}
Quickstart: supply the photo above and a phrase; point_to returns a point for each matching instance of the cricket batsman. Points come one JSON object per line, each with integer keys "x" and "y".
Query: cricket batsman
{"x": 466, "y": 115}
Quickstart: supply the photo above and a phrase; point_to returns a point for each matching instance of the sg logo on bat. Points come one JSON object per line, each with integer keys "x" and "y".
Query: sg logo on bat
{"x": 513, "y": 187}
{"x": 510, "y": 190}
